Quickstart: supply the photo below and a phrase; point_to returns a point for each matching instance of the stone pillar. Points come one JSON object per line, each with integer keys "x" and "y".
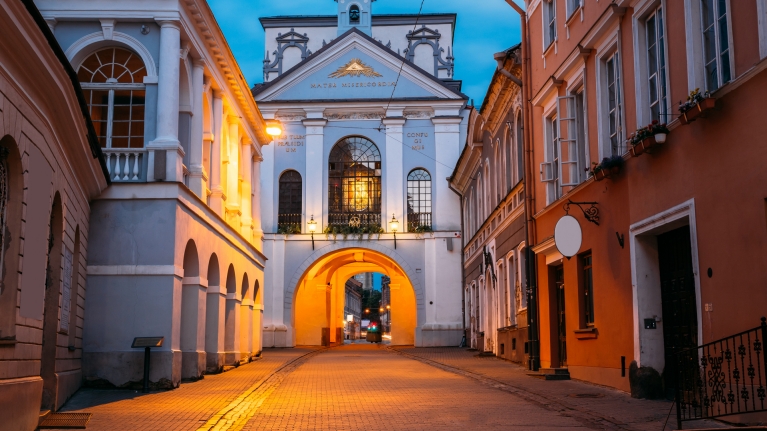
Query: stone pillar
{"x": 232, "y": 172}
{"x": 266, "y": 191}
{"x": 196, "y": 180}
{"x": 193, "y": 316}
{"x": 246, "y": 329}
{"x": 215, "y": 314}
{"x": 395, "y": 190}
{"x": 255, "y": 203}
{"x": 446, "y": 215}
{"x": 232, "y": 329}
{"x": 258, "y": 318}
{"x": 167, "y": 108}
{"x": 315, "y": 162}
{"x": 246, "y": 189}
{"x": 216, "y": 191}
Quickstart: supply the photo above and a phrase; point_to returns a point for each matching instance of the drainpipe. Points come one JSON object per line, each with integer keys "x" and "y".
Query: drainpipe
{"x": 500, "y": 57}
{"x": 530, "y": 234}
{"x": 463, "y": 270}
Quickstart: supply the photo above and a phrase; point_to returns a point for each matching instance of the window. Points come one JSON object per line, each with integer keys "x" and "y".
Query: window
{"x": 716, "y": 46}
{"x": 613, "y": 107}
{"x": 572, "y": 6}
{"x": 656, "y": 65}
{"x": 549, "y": 22}
{"x": 480, "y": 204}
{"x": 354, "y": 14}
{"x": 113, "y": 86}
{"x": 418, "y": 199}
{"x": 572, "y": 138}
{"x": 354, "y": 183}
{"x": 550, "y": 169}
{"x": 587, "y": 308}
{"x": 509, "y": 158}
{"x": 520, "y": 149}
{"x": 290, "y": 202}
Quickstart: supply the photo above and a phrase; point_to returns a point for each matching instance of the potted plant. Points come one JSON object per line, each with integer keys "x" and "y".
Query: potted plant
{"x": 289, "y": 229}
{"x": 608, "y": 167}
{"x": 696, "y": 106}
{"x": 644, "y": 139}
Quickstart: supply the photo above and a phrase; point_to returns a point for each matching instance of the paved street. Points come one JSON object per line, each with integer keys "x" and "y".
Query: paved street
{"x": 371, "y": 387}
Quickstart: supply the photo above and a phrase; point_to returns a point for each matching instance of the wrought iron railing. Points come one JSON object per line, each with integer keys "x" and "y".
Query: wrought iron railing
{"x": 416, "y": 220}
{"x": 722, "y": 378}
{"x": 289, "y": 223}
{"x": 354, "y": 220}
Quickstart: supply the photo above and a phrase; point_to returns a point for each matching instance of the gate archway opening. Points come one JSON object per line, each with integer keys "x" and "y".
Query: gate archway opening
{"x": 318, "y": 313}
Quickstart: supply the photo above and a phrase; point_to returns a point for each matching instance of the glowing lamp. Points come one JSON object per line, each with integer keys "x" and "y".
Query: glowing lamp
{"x": 312, "y": 225}
{"x": 393, "y": 226}
{"x": 273, "y": 128}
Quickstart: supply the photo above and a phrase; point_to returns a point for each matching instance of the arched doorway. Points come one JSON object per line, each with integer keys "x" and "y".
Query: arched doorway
{"x": 318, "y": 298}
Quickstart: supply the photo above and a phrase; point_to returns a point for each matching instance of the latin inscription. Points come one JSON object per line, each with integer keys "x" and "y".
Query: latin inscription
{"x": 417, "y": 140}
{"x": 326, "y": 85}
{"x": 290, "y": 142}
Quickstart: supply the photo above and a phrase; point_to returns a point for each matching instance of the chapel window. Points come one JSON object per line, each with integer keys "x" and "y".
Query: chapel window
{"x": 354, "y": 184}
{"x": 112, "y": 82}
{"x": 354, "y": 14}
{"x": 418, "y": 200}
{"x": 290, "y": 202}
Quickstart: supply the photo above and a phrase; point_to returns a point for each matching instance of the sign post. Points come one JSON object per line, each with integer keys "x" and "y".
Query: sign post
{"x": 147, "y": 343}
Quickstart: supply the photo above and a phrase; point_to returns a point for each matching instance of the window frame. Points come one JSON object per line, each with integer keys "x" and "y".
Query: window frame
{"x": 572, "y": 8}
{"x": 661, "y": 65}
{"x": 643, "y": 13}
{"x": 550, "y": 166}
{"x": 696, "y": 75}
{"x": 280, "y": 213}
{"x": 586, "y": 290}
{"x": 419, "y": 189}
{"x": 549, "y": 23}
{"x": 610, "y": 51}
{"x": 719, "y": 53}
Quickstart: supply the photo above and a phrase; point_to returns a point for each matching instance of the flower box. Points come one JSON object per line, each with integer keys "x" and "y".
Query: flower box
{"x": 698, "y": 110}
{"x": 648, "y": 144}
{"x": 606, "y": 173}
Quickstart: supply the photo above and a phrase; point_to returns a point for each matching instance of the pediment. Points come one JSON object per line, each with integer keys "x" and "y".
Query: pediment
{"x": 354, "y": 67}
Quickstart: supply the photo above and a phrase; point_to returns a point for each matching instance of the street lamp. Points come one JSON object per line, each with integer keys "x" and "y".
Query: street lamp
{"x": 393, "y": 226}
{"x": 312, "y": 228}
{"x": 273, "y": 128}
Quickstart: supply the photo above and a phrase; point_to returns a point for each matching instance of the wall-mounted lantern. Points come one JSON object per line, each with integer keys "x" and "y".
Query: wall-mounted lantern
{"x": 273, "y": 128}
{"x": 394, "y": 226}
{"x": 312, "y": 225}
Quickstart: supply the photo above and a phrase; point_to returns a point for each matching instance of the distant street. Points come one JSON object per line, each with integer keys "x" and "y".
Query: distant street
{"x": 372, "y": 387}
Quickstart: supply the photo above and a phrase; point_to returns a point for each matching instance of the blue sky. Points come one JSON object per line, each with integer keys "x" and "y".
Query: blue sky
{"x": 484, "y": 27}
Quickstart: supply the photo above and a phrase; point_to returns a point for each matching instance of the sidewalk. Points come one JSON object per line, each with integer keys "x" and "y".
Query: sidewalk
{"x": 591, "y": 404}
{"x": 185, "y": 408}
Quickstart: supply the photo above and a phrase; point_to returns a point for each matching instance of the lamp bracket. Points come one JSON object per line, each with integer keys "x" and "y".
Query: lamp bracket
{"x": 591, "y": 213}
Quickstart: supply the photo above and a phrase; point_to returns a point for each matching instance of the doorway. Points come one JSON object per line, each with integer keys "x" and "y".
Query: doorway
{"x": 678, "y": 299}
{"x": 559, "y": 291}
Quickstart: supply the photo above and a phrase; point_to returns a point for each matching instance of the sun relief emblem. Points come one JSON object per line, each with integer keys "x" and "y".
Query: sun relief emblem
{"x": 355, "y": 68}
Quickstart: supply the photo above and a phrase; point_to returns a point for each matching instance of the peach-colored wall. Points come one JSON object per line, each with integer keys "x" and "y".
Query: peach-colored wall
{"x": 746, "y": 50}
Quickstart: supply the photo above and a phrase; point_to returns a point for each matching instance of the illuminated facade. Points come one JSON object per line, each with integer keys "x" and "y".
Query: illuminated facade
{"x": 373, "y": 125}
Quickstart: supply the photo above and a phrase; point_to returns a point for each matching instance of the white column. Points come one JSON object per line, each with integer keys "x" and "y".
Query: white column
{"x": 255, "y": 203}
{"x": 196, "y": 181}
{"x": 315, "y": 161}
{"x": 266, "y": 190}
{"x": 232, "y": 172}
{"x": 167, "y": 101}
{"x": 246, "y": 329}
{"x": 446, "y": 213}
{"x": 216, "y": 191}
{"x": 246, "y": 189}
{"x": 395, "y": 192}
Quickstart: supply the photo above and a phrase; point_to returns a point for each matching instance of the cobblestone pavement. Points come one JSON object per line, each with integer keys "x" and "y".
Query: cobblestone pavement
{"x": 371, "y": 387}
{"x": 600, "y": 407}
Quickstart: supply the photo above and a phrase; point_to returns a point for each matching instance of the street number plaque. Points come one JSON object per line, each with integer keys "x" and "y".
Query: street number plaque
{"x": 147, "y": 342}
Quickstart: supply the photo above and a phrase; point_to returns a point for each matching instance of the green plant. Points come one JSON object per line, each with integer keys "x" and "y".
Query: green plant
{"x": 354, "y": 231}
{"x": 693, "y": 99}
{"x": 289, "y": 229}
{"x": 647, "y": 131}
{"x": 606, "y": 164}
{"x": 423, "y": 228}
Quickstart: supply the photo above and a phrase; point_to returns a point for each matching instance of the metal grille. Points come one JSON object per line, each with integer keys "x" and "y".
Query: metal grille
{"x": 418, "y": 199}
{"x": 290, "y": 203}
{"x": 65, "y": 421}
{"x": 724, "y": 377}
{"x": 354, "y": 183}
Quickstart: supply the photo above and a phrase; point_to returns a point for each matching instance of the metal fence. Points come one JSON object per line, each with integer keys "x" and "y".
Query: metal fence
{"x": 724, "y": 377}
{"x": 289, "y": 222}
{"x": 354, "y": 220}
{"x": 415, "y": 220}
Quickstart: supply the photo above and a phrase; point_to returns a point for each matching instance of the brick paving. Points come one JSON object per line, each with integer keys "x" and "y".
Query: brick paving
{"x": 373, "y": 387}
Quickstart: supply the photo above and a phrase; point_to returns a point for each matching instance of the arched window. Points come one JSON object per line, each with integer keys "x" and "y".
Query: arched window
{"x": 520, "y": 148}
{"x": 290, "y": 205}
{"x": 113, "y": 84}
{"x": 418, "y": 199}
{"x": 354, "y": 14}
{"x": 509, "y": 145}
{"x": 354, "y": 183}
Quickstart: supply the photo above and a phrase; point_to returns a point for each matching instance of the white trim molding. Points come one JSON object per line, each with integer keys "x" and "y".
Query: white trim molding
{"x": 88, "y": 44}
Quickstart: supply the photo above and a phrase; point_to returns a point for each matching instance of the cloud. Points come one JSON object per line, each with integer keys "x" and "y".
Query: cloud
{"x": 483, "y": 27}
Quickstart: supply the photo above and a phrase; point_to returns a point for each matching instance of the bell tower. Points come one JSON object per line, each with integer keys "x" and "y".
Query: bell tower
{"x": 355, "y": 13}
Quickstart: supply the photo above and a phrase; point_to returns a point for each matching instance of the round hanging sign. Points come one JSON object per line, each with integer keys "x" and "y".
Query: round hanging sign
{"x": 568, "y": 236}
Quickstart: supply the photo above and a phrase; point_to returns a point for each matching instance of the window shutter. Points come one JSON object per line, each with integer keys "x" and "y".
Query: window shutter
{"x": 568, "y": 143}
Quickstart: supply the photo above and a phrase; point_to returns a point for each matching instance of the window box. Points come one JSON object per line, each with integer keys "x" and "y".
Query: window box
{"x": 698, "y": 110}
{"x": 648, "y": 139}
{"x": 606, "y": 173}
{"x": 647, "y": 145}
{"x": 609, "y": 167}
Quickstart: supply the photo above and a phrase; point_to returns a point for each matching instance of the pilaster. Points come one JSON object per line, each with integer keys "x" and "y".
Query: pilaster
{"x": 216, "y": 191}
{"x": 395, "y": 190}
{"x": 315, "y": 137}
{"x": 446, "y": 215}
{"x": 196, "y": 180}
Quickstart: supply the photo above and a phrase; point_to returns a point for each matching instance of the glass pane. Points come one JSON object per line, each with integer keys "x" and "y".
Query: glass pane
{"x": 709, "y": 44}
{"x": 653, "y": 89}
{"x": 119, "y": 142}
{"x": 707, "y": 12}
{"x": 121, "y": 113}
{"x": 120, "y": 128}
{"x": 726, "y": 67}
{"x": 724, "y": 42}
{"x": 712, "y": 79}
{"x": 722, "y": 8}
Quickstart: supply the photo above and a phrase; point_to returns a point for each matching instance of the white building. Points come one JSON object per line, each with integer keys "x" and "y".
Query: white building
{"x": 175, "y": 241}
{"x": 373, "y": 125}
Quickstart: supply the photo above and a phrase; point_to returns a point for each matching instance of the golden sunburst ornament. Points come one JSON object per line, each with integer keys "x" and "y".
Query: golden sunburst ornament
{"x": 355, "y": 68}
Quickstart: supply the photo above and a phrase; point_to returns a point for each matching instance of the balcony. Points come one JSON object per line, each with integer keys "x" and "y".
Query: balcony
{"x": 289, "y": 223}
{"x": 418, "y": 222}
{"x": 125, "y": 164}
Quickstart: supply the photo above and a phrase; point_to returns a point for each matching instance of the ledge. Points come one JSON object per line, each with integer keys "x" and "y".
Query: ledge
{"x": 586, "y": 333}
{"x": 11, "y": 341}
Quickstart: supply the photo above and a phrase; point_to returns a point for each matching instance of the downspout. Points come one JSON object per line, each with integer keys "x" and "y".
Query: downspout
{"x": 463, "y": 269}
{"x": 530, "y": 234}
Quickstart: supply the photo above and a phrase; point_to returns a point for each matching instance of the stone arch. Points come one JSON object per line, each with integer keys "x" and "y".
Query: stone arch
{"x": 51, "y": 310}
{"x": 231, "y": 281}
{"x": 192, "y": 331}
{"x": 214, "y": 317}
{"x": 10, "y": 158}
{"x": 231, "y": 319}
{"x": 214, "y": 271}
{"x": 191, "y": 260}
{"x": 245, "y": 287}
{"x": 88, "y": 44}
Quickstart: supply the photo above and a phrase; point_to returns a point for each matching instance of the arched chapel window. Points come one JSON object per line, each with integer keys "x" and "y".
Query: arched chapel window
{"x": 113, "y": 84}
{"x": 418, "y": 199}
{"x": 354, "y": 183}
{"x": 290, "y": 202}
{"x": 354, "y": 14}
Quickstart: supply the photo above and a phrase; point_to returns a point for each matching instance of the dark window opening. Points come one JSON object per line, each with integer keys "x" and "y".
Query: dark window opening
{"x": 354, "y": 14}
{"x": 290, "y": 203}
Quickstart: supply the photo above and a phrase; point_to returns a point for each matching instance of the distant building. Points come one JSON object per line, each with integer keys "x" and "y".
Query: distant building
{"x": 386, "y": 302}
{"x": 366, "y": 278}
{"x": 353, "y": 308}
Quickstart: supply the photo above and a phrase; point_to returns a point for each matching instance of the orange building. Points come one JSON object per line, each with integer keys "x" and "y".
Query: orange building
{"x": 678, "y": 255}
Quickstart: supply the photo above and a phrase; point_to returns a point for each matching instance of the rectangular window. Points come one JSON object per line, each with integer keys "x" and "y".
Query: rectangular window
{"x": 118, "y": 116}
{"x": 550, "y": 169}
{"x": 572, "y": 138}
{"x": 588, "y": 290}
{"x": 550, "y": 22}
{"x": 656, "y": 65}
{"x": 572, "y": 6}
{"x": 716, "y": 45}
{"x": 614, "y": 126}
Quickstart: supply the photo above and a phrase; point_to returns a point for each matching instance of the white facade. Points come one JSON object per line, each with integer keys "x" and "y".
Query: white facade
{"x": 175, "y": 246}
{"x": 418, "y": 125}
